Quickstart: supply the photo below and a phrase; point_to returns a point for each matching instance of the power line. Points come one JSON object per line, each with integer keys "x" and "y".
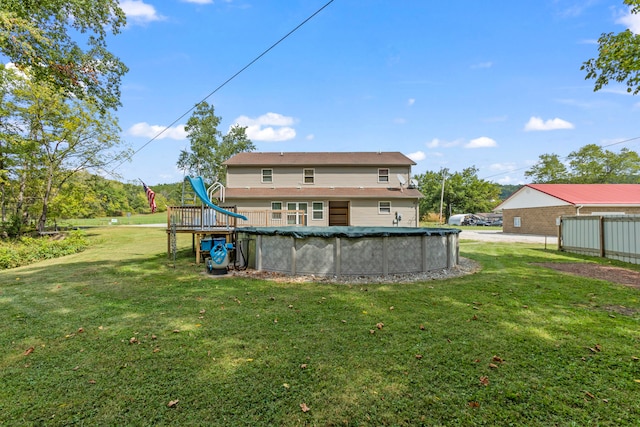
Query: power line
{"x": 224, "y": 83}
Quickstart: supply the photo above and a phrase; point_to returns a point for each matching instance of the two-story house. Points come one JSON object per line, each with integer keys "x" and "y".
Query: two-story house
{"x": 323, "y": 189}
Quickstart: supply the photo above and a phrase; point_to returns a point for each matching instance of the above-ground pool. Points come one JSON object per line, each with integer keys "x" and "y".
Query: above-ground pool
{"x": 349, "y": 251}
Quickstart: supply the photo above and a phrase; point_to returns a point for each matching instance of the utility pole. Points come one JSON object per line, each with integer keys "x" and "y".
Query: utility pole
{"x": 444, "y": 173}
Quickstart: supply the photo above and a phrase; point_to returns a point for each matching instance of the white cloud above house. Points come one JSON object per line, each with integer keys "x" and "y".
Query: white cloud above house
{"x": 417, "y": 156}
{"x": 411, "y": 101}
{"x": 145, "y": 130}
{"x": 482, "y": 142}
{"x": 538, "y": 124}
{"x": 631, "y": 21}
{"x": 139, "y": 12}
{"x": 268, "y": 127}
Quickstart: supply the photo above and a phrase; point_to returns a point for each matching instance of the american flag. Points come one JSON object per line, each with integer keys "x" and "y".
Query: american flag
{"x": 151, "y": 197}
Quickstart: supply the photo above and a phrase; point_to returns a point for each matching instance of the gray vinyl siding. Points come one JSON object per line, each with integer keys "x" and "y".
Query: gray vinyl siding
{"x": 328, "y": 176}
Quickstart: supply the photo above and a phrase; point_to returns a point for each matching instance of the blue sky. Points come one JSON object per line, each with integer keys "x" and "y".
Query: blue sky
{"x": 491, "y": 84}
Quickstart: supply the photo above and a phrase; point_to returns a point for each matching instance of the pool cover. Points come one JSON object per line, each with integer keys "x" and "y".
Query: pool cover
{"x": 348, "y": 232}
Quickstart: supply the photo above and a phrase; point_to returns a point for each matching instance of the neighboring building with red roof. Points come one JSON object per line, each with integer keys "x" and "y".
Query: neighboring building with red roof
{"x": 534, "y": 208}
{"x": 323, "y": 188}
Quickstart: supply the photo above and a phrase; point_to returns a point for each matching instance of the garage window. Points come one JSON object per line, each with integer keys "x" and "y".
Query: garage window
{"x": 516, "y": 221}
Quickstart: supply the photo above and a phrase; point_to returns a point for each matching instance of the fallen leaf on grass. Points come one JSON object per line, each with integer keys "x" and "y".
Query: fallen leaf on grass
{"x": 475, "y": 317}
{"x": 493, "y": 366}
{"x": 635, "y": 358}
{"x": 176, "y": 331}
{"x": 418, "y": 356}
{"x": 153, "y": 337}
{"x": 638, "y": 381}
{"x": 76, "y": 368}
{"x": 80, "y": 330}
{"x": 303, "y": 366}
{"x": 203, "y": 311}
{"x": 173, "y": 403}
{"x": 92, "y": 381}
{"x": 155, "y": 350}
{"x": 484, "y": 380}
{"x": 474, "y": 404}
{"x": 422, "y": 327}
{"x": 379, "y": 325}
{"x": 285, "y": 385}
{"x": 133, "y": 340}
{"x": 28, "y": 351}
{"x": 371, "y": 331}
{"x": 497, "y": 359}
{"x": 304, "y": 407}
{"x": 589, "y": 395}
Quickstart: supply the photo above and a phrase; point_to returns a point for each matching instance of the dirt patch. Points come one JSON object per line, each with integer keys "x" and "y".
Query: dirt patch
{"x": 611, "y": 274}
{"x": 464, "y": 267}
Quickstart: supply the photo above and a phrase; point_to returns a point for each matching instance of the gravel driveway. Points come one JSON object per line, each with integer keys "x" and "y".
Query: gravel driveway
{"x": 499, "y": 236}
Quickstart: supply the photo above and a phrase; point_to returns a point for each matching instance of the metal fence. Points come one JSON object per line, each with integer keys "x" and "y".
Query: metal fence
{"x": 615, "y": 237}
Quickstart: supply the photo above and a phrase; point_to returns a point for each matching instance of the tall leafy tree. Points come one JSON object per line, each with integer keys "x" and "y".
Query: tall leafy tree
{"x": 209, "y": 149}
{"x": 590, "y": 164}
{"x": 548, "y": 169}
{"x": 58, "y": 138}
{"x": 618, "y": 58}
{"x": 463, "y": 192}
{"x": 64, "y": 42}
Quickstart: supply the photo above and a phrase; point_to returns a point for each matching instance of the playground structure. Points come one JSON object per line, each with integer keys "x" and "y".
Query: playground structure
{"x": 206, "y": 222}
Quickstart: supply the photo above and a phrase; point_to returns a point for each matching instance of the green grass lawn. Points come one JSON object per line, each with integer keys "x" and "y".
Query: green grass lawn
{"x": 112, "y": 335}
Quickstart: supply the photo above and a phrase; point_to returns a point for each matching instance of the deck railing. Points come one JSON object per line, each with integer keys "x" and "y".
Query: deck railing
{"x": 204, "y": 218}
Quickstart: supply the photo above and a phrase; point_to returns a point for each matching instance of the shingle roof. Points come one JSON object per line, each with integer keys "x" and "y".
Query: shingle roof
{"x": 592, "y": 194}
{"x": 320, "y": 192}
{"x": 320, "y": 158}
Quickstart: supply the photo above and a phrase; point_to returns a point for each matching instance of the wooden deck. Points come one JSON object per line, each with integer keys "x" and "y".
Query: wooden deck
{"x": 203, "y": 222}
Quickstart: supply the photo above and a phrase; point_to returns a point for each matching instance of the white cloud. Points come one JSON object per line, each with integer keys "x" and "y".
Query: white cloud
{"x": 631, "y": 21}
{"x": 510, "y": 180}
{"x": 417, "y": 156}
{"x": 199, "y": 1}
{"x": 145, "y": 130}
{"x": 268, "y": 127}
{"x": 500, "y": 167}
{"x": 435, "y": 143}
{"x": 537, "y": 124}
{"x": 310, "y": 137}
{"x": 487, "y": 64}
{"x": 139, "y": 12}
{"x": 482, "y": 142}
{"x": 411, "y": 101}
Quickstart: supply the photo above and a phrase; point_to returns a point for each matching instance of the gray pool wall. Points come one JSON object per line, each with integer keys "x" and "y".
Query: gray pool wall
{"x": 353, "y": 256}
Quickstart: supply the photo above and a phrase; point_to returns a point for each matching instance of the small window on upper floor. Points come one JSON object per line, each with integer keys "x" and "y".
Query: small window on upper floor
{"x": 308, "y": 176}
{"x": 267, "y": 176}
{"x": 383, "y": 175}
{"x": 384, "y": 208}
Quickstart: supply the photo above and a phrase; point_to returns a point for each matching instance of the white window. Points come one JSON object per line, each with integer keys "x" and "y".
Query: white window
{"x": 267, "y": 176}
{"x": 383, "y": 175}
{"x": 384, "y": 208}
{"x": 516, "y": 221}
{"x": 308, "y": 176}
{"x": 317, "y": 210}
{"x": 276, "y": 211}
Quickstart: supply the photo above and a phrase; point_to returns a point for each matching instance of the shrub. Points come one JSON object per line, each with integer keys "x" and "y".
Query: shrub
{"x": 27, "y": 250}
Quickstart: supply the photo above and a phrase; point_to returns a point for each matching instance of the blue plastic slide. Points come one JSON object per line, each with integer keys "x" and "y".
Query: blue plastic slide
{"x": 201, "y": 191}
